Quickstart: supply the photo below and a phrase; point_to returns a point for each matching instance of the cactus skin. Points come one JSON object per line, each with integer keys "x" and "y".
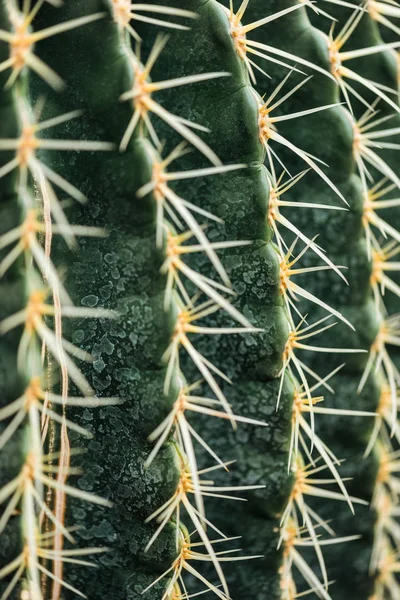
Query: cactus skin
{"x": 124, "y": 272}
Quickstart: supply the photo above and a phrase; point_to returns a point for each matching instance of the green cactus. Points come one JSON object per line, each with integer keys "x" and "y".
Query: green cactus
{"x": 167, "y": 309}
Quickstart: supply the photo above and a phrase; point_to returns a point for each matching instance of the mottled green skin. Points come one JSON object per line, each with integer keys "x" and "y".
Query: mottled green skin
{"x": 256, "y": 579}
{"x": 260, "y": 453}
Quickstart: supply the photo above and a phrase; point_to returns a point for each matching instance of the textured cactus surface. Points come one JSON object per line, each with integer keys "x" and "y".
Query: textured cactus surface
{"x": 199, "y": 299}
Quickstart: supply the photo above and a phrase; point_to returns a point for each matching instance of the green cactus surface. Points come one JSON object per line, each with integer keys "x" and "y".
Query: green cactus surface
{"x": 199, "y": 299}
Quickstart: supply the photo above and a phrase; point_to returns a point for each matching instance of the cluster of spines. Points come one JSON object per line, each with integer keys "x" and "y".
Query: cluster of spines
{"x": 379, "y": 279}
{"x": 380, "y": 188}
{"x": 375, "y": 141}
{"x": 300, "y": 525}
{"x": 45, "y": 358}
{"x": 380, "y": 182}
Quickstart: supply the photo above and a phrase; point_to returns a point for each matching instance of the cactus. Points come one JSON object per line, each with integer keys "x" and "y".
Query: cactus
{"x": 173, "y": 331}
